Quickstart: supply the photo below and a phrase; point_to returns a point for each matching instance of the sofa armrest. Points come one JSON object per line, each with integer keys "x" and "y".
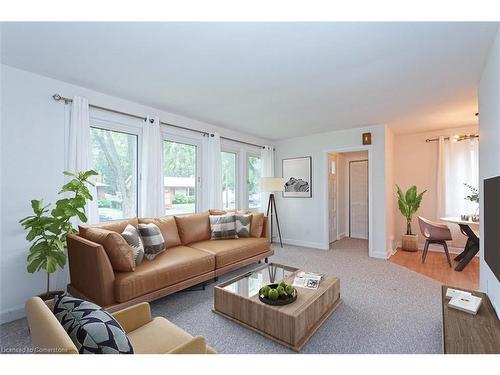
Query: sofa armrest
{"x": 90, "y": 270}
{"x": 133, "y": 317}
{"x": 265, "y": 227}
{"x": 197, "y": 345}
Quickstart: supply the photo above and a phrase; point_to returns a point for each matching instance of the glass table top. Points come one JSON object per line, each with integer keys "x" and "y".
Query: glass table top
{"x": 249, "y": 284}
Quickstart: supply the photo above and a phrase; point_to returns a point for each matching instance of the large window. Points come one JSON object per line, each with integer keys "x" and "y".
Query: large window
{"x": 228, "y": 179}
{"x": 115, "y": 159}
{"x": 253, "y": 170}
{"x": 179, "y": 173}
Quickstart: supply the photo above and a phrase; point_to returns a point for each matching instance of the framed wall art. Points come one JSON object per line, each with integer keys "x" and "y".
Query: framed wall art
{"x": 297, "y": 173}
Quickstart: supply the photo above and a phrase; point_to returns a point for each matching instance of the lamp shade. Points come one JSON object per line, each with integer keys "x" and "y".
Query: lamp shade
{"x": 271, "y": 184}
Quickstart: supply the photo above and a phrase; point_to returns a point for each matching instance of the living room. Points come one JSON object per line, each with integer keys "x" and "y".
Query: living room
{"x": 198, "y": 209}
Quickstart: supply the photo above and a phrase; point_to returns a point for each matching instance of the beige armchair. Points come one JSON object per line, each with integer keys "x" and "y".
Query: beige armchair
{"x": 148, "y": 335}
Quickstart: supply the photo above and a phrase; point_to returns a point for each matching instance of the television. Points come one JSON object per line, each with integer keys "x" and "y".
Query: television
{"x": 491, "y": 234}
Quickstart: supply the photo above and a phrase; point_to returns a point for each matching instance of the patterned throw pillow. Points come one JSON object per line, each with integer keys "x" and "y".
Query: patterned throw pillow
{"x": 152, "y": 239}
{"x": 133, "y": 238}
{"x": 92, "y": 330}
{"x": 243, "y": 223}
{"x": 223, "y": 227}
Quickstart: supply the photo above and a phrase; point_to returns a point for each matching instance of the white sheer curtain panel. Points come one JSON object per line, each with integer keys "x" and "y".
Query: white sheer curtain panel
{"x": 152, "y": 185}
{"x": 80, "y": 152}
{"x": 267, "y": 160}
{"x": 213, "y": 171}
{"x": 461, "y": 161}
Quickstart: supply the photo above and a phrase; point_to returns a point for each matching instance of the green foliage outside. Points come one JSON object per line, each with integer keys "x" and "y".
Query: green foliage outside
{"x": 47, "y": 229}
{"x": 179, "y": 159}
{"x": 409, "y": 203}
{"x": 182, "y": 199}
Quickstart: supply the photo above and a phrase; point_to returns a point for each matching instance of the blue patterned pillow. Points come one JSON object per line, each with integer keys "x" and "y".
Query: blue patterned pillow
{"x": 92, "y": 330}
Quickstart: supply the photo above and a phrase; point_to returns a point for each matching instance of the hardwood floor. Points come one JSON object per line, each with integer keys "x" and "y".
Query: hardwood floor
{"x": 436, "y": 267}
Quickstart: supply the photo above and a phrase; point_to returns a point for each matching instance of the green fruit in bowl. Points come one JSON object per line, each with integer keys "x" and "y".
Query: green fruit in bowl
{"x": 281, "y": 290}
{"x": 283, "y": 284}
{"x": 289, "y": 290}
{"x": 273, "y": 294}
{"x": 265, "y": 291}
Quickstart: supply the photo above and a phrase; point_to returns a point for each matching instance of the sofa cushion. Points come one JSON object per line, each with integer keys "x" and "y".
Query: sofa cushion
{"x": 168, "y": 268}
{"x": 133, "y": 238}
{"x": 152, "y": 239}
{"x": 193, "y": 228}
{"x": 231, "y": 251}
{"x": 257, "y": 224}
{"x": 119, "y": 252}
{"x": 158, "y": 336}
{"x": 114, "y": 226}
{"x": 92, "y": 330}
{"x": 168, "y": 229}
{"x": 222, "y": 227}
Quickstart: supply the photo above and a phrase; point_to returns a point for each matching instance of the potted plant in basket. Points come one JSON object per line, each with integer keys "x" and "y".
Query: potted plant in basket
{"x": 47, "y": 229}
{"x": 409, "y": 203}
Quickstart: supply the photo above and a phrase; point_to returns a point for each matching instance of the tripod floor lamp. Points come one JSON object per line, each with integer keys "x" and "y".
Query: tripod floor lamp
{"x": 272, "y": 185}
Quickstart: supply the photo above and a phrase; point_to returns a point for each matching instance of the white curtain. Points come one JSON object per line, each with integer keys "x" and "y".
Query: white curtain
{"x": 152, "y": 184}
{"x": 267, "y": 162}
{"x": 441, "y": 180}
{"x": 457, "y": 164}
{"x": 213, "y": 171}
{"x": 461, "y": 164}
{"x": 79, "y": 151}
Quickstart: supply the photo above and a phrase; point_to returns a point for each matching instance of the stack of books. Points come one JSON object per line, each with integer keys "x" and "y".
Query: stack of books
{"x": 463, "y": 301}
{"x": 307, "y": 280}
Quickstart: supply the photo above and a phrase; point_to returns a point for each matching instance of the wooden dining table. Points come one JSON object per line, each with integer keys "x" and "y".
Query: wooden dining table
{"x": 472, "y": 246}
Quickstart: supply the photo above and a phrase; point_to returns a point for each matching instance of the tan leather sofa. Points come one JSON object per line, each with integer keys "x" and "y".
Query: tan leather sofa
{"x": 191, "y": 258}
{"x": 147, "y": 335}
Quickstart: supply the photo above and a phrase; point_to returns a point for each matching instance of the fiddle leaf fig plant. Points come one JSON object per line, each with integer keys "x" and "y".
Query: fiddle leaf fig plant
{"x": 47, "y": 229}
{"x": 409, "y": 203}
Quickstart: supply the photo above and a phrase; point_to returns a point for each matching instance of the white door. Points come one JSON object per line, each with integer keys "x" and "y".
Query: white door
{"x": 332, "y": 197}
{"x": 358, "y": 199}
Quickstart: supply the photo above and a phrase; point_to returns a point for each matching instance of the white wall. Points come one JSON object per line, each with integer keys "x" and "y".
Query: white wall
{"x": 32, "y": 156}
{"x": 415, "y": 163}
{"x": 389, "y": 191}
{"x": 303, "y": 221}
{"x": 489, "y": 154}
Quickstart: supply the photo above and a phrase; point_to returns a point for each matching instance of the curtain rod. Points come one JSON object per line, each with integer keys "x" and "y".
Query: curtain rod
{"x": 58, "y": 97}
{"x": 457, "y": 138}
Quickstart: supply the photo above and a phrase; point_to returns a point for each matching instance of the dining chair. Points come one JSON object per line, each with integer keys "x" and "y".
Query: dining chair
{"x": 434, "y": 233}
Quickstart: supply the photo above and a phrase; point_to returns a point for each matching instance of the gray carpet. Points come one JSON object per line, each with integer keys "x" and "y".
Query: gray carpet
{"x": 386, "y": 308}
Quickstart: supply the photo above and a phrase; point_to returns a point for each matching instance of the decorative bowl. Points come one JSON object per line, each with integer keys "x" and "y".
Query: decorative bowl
{"x": 282, "y": 300}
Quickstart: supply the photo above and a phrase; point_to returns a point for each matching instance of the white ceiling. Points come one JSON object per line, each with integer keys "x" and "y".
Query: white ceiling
{"x": 274, "y": 80}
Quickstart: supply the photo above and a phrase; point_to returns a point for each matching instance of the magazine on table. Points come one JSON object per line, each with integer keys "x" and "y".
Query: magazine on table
{"x": 309, "y": 280}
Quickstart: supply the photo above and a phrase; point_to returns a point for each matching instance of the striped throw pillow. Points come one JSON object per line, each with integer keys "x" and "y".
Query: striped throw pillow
{"x": 223, "y": 227}
{"x": 133, "y": 238}
{"x": 243, "y": 223}
{"x": 153, "y": 241}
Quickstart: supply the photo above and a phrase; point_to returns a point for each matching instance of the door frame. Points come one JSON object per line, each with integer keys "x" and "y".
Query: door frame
{"x": 336, "y": 198}
{"x": 349, "y": 190}
{"x": 325, "y": 171}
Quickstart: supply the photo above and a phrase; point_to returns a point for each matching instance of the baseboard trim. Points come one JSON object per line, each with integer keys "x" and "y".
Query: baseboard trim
{"x": 379, "y": 255}
{"x": 14, "y": 313}
{"x": 434, "y": 248}
{"x": 314, "y": 245}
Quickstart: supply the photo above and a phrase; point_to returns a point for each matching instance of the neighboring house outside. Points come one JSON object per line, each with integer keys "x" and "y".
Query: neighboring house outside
{"x": 178, "y": 186}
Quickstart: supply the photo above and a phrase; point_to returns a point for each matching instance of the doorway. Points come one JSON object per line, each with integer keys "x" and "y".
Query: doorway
{"x": 358, "y": 199}
{"x": 348, "y": 196}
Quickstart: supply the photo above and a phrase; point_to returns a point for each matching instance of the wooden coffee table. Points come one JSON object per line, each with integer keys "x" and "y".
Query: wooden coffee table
{"x": 290, "y": 325}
